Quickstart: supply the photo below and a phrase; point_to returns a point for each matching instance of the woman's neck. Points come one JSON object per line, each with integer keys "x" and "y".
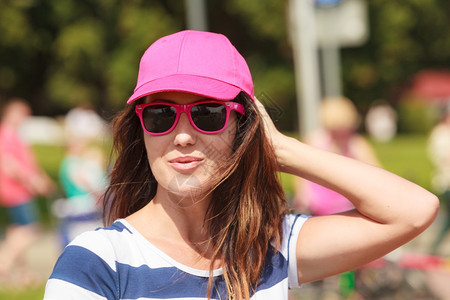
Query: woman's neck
{"x": 183, "y": 215}
{"x": 177, "y": 227}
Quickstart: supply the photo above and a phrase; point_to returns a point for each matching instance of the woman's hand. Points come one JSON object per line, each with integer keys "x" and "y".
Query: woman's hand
{"x": 277, "y": 139}
{"x": 41, "y": 184}
{"x": 389, "y": 210}
{"x": 269, "y": 127}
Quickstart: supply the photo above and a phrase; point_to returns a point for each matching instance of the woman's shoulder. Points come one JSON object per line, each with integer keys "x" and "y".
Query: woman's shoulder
{"x": 104, "y": 239}
{"x": 292, "y": 224}
{"x": 290, "y": 221}
{"x": 90, "y": 259}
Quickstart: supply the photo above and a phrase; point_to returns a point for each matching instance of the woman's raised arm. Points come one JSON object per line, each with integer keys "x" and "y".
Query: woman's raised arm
{"x": 389, "y": 210}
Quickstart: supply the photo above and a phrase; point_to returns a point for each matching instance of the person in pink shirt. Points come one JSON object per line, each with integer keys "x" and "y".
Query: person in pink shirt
{"x": 339, "y": 119}
{"x": 338, "y": 134}
{"x": 21, "y": 180}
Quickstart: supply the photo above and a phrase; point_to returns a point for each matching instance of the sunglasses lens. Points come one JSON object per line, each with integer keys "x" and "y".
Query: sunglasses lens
{"x": 159, "y": 118}
{"x": 209, "y": 116}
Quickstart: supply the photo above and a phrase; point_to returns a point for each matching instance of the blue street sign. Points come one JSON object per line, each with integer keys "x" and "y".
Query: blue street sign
{"x": 327, "y": 2}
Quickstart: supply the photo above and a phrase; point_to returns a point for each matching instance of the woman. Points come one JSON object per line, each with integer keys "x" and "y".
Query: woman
{"x": 338, "y": 133}
{"x": 22, "y": 180}
{"x": 199, "y": 209}
{"x": 438, "y": 145}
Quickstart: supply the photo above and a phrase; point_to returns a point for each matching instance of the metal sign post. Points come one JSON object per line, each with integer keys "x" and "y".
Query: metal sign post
{"x": 304, "y": 41}
{"x": 196, "y": 15}
{"x": 340, "y": 23}
{"x": 329, "y": 25}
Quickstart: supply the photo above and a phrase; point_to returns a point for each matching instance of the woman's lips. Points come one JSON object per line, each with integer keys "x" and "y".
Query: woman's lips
{"x": 185, "y": 163}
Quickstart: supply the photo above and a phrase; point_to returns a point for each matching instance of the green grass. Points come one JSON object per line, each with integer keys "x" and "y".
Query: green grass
{"x": 49, "y": 158}
{"x": 35, "y": 293}
{"x": 405, "y": 156}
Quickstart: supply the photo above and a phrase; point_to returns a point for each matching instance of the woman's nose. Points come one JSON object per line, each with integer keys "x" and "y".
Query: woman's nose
{"x": 185, "y": 133}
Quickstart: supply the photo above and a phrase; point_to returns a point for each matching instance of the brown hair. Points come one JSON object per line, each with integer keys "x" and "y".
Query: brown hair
{"x": 249, "y": 202}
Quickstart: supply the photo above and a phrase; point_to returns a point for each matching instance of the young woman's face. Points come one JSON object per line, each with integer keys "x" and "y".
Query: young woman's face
{"x": 184, "y": 160}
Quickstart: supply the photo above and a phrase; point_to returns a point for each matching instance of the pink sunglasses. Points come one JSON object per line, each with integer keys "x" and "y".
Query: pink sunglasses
{"x": 209, "y": 116}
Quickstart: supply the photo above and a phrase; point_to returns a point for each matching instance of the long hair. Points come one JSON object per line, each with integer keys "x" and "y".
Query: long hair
{"x": 132, "y": 184}
{"x": 248, "y": 204}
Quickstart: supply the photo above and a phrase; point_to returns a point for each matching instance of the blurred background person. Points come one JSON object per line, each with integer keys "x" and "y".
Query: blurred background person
{"x": 83, "y": 179}
{"x": 84, "y": 122}
{"x": 82, "y": 174}
{"x": 340, "y": 120}
{"x": 439, "y": 154}
{"x": 21, "y": 181}
{"x": 381, "y": 121}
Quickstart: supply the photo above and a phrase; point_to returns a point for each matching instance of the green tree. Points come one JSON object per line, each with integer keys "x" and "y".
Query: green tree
{"x": 97, "y": 50}
{"x": 258, "y": 28}
{"x": 405, "y": 37}
{"x": 61, "y": 53}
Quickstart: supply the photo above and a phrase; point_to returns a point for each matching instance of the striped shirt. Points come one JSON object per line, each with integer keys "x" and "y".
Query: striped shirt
{"x": 117, "y": 262}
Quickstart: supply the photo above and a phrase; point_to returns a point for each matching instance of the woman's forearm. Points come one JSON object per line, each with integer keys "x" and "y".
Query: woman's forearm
{"x": 375, "y": 193}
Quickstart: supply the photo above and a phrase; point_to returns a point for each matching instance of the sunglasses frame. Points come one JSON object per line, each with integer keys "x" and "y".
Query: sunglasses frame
{"x": 186, "y": 108}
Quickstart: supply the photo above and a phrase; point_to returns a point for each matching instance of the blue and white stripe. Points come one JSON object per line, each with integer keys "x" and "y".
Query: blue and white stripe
{"x": 117, "y": 262}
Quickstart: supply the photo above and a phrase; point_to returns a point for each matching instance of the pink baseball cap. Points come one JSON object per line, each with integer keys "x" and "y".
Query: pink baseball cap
{"x": 197, "y": 62}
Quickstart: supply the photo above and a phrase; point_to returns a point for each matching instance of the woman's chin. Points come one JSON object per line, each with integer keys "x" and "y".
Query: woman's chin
{"x": 187, "y": 189}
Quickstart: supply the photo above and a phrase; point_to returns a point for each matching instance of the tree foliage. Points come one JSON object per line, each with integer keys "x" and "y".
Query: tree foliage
{"x": 406, "y": 37}
{"x": 58, "y": 54}
{"x": 63, "y": 53}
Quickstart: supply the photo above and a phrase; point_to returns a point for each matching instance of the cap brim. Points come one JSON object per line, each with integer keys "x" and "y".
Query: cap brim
{"x": 198, "y": 85}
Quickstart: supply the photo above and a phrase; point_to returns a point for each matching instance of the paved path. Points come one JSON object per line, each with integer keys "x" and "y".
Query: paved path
{"x": 41, "y": 257}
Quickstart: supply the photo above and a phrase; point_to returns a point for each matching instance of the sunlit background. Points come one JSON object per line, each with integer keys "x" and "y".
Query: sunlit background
{"x": 61, "y": 54}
